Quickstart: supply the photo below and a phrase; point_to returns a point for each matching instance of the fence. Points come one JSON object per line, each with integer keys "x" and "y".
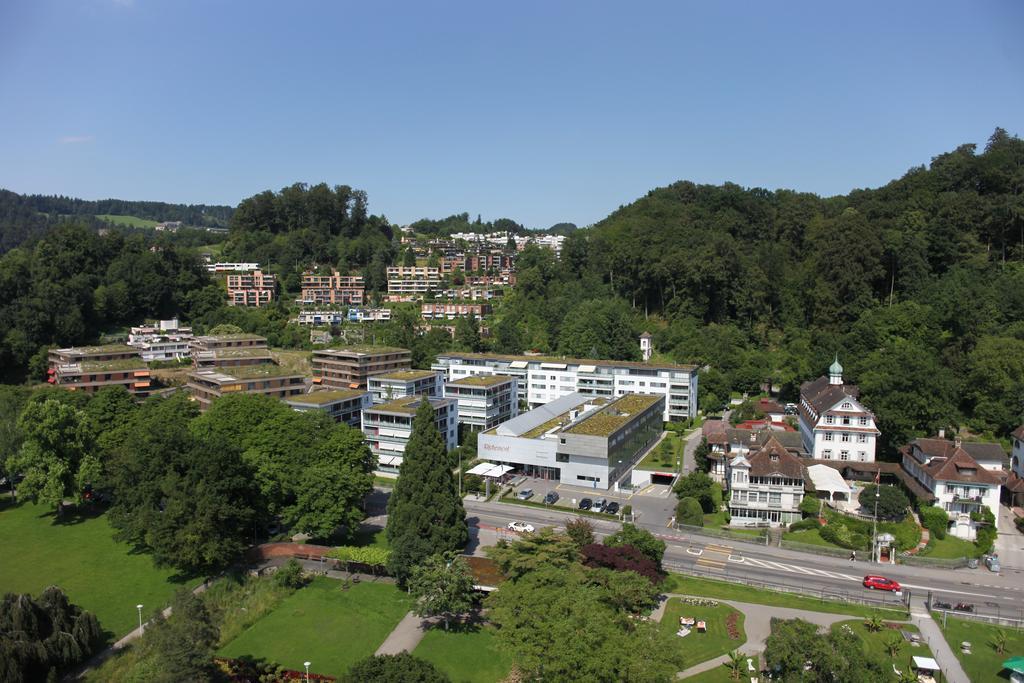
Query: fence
{"x": 760, "y": 539}
{"x": 937, "y": 562}
{"x": 818, "y": 549}
{"x": 995, "y": 619}
{"x": 870, "y": 600}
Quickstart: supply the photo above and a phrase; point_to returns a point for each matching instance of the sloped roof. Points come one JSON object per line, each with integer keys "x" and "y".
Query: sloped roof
{"x": 1014, "y": 483}
{"x": 821, "y": 395}
{"x": 981, "y": 451}
{"x": 789, "y": 440}
{"x": 1018, "y": 433}
{"x": 773, "y": 458}
{"x": 961, "y": 467}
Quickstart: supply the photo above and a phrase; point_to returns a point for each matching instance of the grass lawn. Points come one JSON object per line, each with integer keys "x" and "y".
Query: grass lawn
{"x": 718, "y": 520}
{"x": 296, "y": 361}
{"x": 984, "y": 663}
{"x": 654, "y": 460}
{"x": 875, "y": 644}
{"x": 330, "y": 627}
{"x": 80, "y": 556}
{"x": 131, "y": 221}
{"x": 951, "y": 548}
{"x": 370, "y": 536}
{"x": 468, "y": 655}
{"x": 808, "y": 536}
{"x": 720, "y": 674}
{"x": 724, "y": 590}
{"x": 700, "y": 647}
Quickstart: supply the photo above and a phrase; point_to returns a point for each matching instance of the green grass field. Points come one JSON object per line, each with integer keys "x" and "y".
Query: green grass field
{"x": 808, "y": 536}
{"x": 951, "y": 548}
{"x": 723, "y": 590}
{"x": 875, "y": 644}
{"x": 700, "y": 647}
{"x": 720, "y": 674}
{"x": 325, "y": 625}
{"x": 102, "y": 576}
{"x": 131, "y": 221}
{"x": 466, "y": 656}
{"x": 984, "y": 663}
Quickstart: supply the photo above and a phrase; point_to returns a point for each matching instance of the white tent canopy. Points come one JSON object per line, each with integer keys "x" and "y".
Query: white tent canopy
{"x": 825, "y": 478}
{"x": 926, "y": 663}
{"x": 489, "y": 469}
{"x": 390, "y": 460}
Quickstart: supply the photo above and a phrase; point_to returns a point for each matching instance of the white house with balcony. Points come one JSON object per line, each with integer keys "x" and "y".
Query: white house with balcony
{"x": 388, "y": 427}
{"x": 961, "y": 485}
{"x": 834, "y": 425}
{"x": 766, "y": 486}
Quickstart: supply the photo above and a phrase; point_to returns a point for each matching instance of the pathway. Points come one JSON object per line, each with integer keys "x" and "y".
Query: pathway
{"x": 941, "y": 651}
{"x": 405, "y": 636}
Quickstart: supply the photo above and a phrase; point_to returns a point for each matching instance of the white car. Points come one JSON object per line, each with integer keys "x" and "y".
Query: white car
{"x": 520, "y": 527}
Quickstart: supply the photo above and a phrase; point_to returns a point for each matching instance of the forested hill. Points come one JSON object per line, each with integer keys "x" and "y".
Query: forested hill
{"x": 26, "y": 217}
{"x": 918, "y": 285}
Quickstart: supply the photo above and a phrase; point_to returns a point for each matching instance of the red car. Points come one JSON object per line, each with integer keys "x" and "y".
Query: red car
{"x": 881, "y": 583}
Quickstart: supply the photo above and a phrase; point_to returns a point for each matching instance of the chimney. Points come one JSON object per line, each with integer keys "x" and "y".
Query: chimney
{"x": 957, "y": 441}
{"x": 942, "y": 433}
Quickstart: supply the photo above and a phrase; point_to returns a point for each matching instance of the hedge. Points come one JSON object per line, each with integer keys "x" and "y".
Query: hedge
{"x": 809, "y": 523}
{"x": 935, "y": 520}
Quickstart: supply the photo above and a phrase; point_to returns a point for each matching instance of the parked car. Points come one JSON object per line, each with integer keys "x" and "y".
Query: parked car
{"x": 992, "y": 562}
{"x": 520, "y": 527}
{"x": 612, "y": 508}
{"x": 881, "y": 583}
{"x": 525, "y": 494}
{"x": 600, "y": 504}
{"x": 585, "y": 504}
{"x": 551, "y": 498}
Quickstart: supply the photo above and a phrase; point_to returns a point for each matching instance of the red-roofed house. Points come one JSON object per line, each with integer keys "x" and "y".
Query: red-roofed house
{"x": 766, "y": 486}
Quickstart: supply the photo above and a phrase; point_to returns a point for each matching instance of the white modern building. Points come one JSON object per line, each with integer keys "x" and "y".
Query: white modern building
{"x": 401, "y": 383}
{"x": 166, "y": 340}
{"x": 344, "y": 405}
{"x": 484, "y": 401}
{"x": 542, "y": 379}
{"x": 413, "y": 279}
{"x": 834, "y": 425}
{"x": 577, "y": 439}
{"x": 231, "y": 267}
{"x": 387, "y": 427}
{"x": 766, "y": 487}
{"x": 959, "y": 483}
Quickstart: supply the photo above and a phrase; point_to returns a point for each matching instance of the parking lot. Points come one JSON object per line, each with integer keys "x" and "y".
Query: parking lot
{"x": 653, "y": 504}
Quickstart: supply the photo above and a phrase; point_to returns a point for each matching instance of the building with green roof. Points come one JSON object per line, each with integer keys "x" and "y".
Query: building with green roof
{"x": 344, "y": 405}
{"x": 400, "y": 383}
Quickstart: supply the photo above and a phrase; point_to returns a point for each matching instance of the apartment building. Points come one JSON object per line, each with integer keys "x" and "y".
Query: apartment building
{"x": 229, "y": 350}
{"x": 363, "y": 315}
{"x": 393, "y": 385}
{"x": 485, "y": 401}
{"x": 351, "y": 367}
{"x": 960, "y": 484}
{"x": 470, "y": 293}
{"x": 766, "y": 486}
{"x": 335, "y": 289}
{"x": 208, "y": 384}
{"x": 231, "y": 267}
{"x": 413, "y": 279}
{"x": 542, "y": 379}
{"x": 344, "y": 405}
{"x": 388, "y": 426}
{"x": 453, "y": 311}
{"x": 91, "y": 368}
{"x": 251, "y": 289}
{"x": 163, "y": 341}
{"x": 833, "y": 423}
{"x": 577, "y": 439}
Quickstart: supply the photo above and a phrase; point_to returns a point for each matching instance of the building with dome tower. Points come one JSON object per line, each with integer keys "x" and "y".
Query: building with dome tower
{"x": 834, "y": 424}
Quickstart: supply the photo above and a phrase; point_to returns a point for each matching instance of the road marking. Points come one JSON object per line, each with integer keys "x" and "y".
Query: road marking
{"x": 694, "y": 551}
{"x": 736, "y": 558}
{"x": 719, "y": 548}
{"x": 714, "y": 564}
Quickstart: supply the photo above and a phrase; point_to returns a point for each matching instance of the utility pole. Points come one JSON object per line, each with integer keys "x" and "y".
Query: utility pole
{"x": 876, "y": 551}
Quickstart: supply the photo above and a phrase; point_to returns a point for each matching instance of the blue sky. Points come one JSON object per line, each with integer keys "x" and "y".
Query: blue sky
{"x": 539, "y": 111}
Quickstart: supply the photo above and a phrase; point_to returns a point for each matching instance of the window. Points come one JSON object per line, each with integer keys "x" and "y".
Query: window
{"x": 862, "y": 438}
{"x": 862, "y": 421}
{"x": 861, "y": 455}
{"x": 846, "y": 419}
{"x": 739, "y": 476}
{"x": 847, "y": 406}
{"x": 775, "y": 499}
{"x": 844, "y": 437}
{"x": 739, "y": 497}
{"x": 844, "y": 455}
{"x": 827, "y": 436}
{"x": 829, "y": 420}
{"x": 827, "y": 454}
{"x": 561, "y": 457}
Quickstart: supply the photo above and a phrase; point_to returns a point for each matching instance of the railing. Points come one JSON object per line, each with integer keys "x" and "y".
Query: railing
{"x": 815, "y": 549}
{"x": 938, "y": 562}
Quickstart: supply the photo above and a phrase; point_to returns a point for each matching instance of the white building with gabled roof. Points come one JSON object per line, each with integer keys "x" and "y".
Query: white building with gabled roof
{"x": 834, "y": 424}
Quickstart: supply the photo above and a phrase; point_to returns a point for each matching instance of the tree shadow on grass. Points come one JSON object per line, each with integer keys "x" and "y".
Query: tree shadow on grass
{"x": 467, "y": 623}
{"x": 76, "y": 514}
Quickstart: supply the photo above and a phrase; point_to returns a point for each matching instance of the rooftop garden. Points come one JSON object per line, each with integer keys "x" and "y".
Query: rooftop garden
{"x": 258, "y": 371}
{"x": 406, "y": 375}
{"x": 613, "y": 416}
{"x": 323, "y": 397}
{"x": 481, "y": 380}
{"x": 110, "y": 365}
{"x": 105, "y": 348}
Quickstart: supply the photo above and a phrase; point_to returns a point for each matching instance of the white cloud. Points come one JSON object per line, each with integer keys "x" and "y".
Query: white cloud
{"x": 76, "y": 139}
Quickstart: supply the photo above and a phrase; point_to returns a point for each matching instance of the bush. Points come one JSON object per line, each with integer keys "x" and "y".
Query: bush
{"x": 290, "y": 575}
{"x": 810, "y": 506}
{"x": 809, "y": 523}
{"x": 892, "y": 503}
{"x": 842, "y": 536}
{"x": 689, "y": 512}
{"x": 627, "y": 511}
{"x": 986, "y": 534}
{"x": 935, "y": 520}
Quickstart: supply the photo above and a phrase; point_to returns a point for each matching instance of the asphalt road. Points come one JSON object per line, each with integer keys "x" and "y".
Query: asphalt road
{"x": 829, "y": 577}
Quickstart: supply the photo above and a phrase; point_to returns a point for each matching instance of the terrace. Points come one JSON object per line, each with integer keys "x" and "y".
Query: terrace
{"x": 320, "y": 398}
{"x": 480, "y": 381}
{"x": 112, "y": 365}
{"x": 406, "y": 375}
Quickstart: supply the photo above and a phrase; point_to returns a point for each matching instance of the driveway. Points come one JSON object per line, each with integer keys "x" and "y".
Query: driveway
{"x": 1009, "y": 544}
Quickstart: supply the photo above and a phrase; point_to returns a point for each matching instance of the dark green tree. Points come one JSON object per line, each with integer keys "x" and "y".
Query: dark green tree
{"x": 892, "y": 502}
{"x": 425, "y": 513}
{"x": 442, "y": 586}
{"x": 700, "y": 456}
{"x": 698, "y": 484}
{"x": 689, "y": 512}
{"x": 184, "y": 643}
{"x": 390, "y": 668}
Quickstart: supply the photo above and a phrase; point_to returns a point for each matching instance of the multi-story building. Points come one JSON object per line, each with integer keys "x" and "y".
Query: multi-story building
{"x": 766, "y": 486}
{"x": 251, "y": 289}
{"x": 413, "y": 279}
{"x": 1013, "y": 487}
{"x": 344, "y": 405}
{"x": 542, "y": 379}
{"x": 388, "y": 426}
{"x": 392, "y": 385}
{"x": 506, "y": 278}
{"x": 728, "y": 442}
{"x": 317, "y": 318}
{"x": 231, "y": 267}
{"x": 834, "y": 425}
{"x": 164, "y": 341}
{"x": 362, "y": 315}
{"x": 961, "y": 485}
{"x": 485, "y": 401}
{"x": 208, "y": 384}
{"x": 344, "y": 290}
{"x": 350, "y": 368}
{"x": 577, "y": 439}
{"x": 470, "y": 293}
{"x": 91, "y": 368}
{"x": 452, "y": 311}
{"x": 229, "y": 350}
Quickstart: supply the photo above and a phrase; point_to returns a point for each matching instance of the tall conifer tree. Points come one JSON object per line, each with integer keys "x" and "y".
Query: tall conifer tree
{"x": 425, "y": 513}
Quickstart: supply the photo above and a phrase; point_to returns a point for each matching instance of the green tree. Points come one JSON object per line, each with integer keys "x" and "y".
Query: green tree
{"x": 442, "y": 586}
{"x": 700, "y": 456}
{"x": 391, "y": 668}
{"x": 689, "y": 512}
{"x": 581, "y": 531}
{"x": 641, "y": 539}
{"x": 995, "y": 384}
{"x": 545, "y": 548}
{"x": 697, "y": 484}
{"x": 892, "y": 502}
{"x": 599, "y": 329}
{"x": 425, "y": 513}
{"x": 57, "y": 456}
{"x": 735, "y": 664}
{"x": 12, "y": 401}
{"x": 467, "y": 334}
{"x": 184, "y": 643}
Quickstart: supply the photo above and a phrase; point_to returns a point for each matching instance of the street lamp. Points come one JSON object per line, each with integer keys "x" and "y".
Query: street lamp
{"x": 306, "y": 664}
{"x": 139, "y": 607}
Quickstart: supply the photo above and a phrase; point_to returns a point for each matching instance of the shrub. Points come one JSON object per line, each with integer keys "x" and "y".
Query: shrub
{"x": 986, "y": 534}
{"x": 627, "y": 510}
{"x": 935, "y": 520}
{"x": 689, "y": 512}
{"x": 810, "y": 506}
{"x": 290, "y": 575}
{"x": 809, "y": 523}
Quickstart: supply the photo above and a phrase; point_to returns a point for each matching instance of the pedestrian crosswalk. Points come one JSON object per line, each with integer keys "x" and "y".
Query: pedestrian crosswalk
{"x": 715, "y": 557}
{"x": 796, "y": 569}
